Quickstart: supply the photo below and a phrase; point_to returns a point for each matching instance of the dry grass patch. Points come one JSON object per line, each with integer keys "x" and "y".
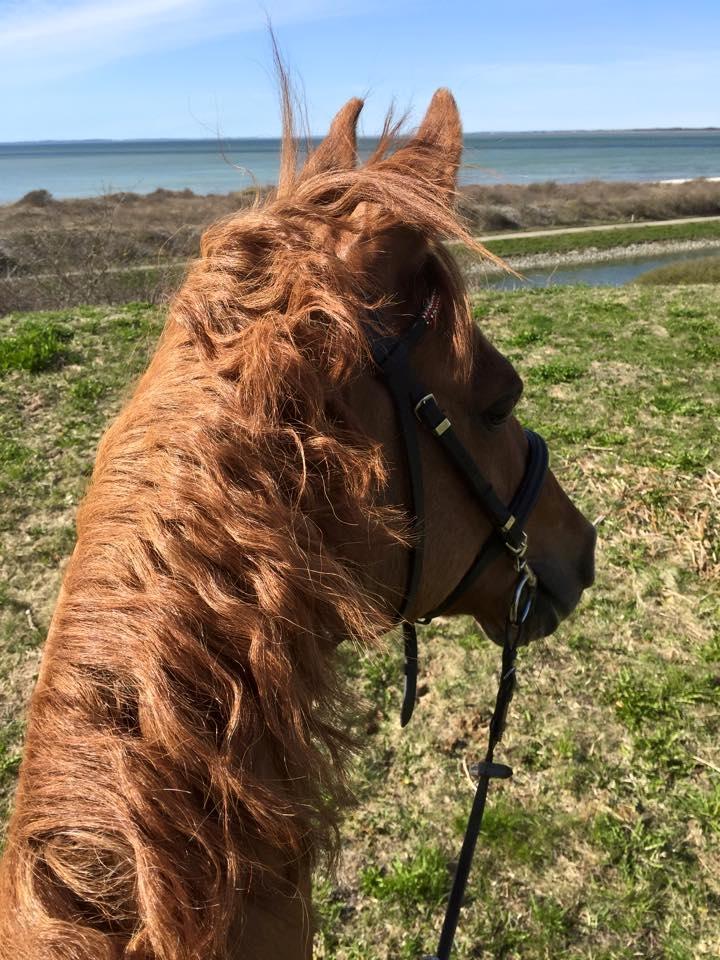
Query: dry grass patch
{"x": 127, "y": 246}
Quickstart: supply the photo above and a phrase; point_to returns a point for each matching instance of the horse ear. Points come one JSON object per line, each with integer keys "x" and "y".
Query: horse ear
{"x": 434, "y": 152}
{"x": 338, "y": 151}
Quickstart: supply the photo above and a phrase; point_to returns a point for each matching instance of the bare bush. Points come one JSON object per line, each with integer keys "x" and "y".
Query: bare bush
{"x": 584, "y": 204}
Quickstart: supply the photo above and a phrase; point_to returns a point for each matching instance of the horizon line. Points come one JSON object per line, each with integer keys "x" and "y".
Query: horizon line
{"x": 368, "y": 136}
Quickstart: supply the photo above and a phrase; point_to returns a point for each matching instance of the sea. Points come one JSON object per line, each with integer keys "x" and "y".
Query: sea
{"x": 92, "y": 167}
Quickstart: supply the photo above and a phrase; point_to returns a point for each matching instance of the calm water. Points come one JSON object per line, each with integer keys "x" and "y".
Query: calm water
{"x": 81, "y": 169}
{"x": 610, "y": 274}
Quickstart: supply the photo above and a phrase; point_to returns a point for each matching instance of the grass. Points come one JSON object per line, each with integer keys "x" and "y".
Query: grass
{"x": 605, "y": 239}
{"x": 64, "y": 375}
{"x": 606, "y": 843}
{"x": 35, "y": 346}
{"x": 505, "y": 207}
{"x": 422, "y": 881}
{"x": 703, "y": 270}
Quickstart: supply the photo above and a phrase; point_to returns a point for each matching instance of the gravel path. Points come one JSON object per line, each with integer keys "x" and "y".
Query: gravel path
{"x": 633, "y": 225}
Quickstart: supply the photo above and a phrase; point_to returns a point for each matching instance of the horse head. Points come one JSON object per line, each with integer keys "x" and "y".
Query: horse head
{"x": 253, "y": 505}
{"x": 398, "y": 251}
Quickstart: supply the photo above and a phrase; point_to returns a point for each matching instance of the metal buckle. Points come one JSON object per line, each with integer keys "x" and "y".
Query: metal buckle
{"x": 422, "y": 401}
{"x": 521, "y": 549}
{"x": 444, "y": 424}
{"x": 519, "y": 552}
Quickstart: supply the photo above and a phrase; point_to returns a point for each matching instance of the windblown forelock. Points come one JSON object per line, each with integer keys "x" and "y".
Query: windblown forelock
{"x": 284, "y": 263}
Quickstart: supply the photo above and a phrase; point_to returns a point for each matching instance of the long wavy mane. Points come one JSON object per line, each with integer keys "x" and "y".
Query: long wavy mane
{"x": 189, "y": 714}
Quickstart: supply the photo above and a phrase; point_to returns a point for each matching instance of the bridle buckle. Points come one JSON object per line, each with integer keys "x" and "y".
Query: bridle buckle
{"x": 428, "y": 398}
{"x": 433, "y": 418}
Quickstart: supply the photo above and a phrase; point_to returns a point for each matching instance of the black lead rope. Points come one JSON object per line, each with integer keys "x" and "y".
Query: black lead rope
{"x": 410, "y": 673}
{"x": 486, "y": 771}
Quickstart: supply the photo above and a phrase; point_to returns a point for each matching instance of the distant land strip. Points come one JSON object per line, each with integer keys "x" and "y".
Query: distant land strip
{"x": 596, "y": 228}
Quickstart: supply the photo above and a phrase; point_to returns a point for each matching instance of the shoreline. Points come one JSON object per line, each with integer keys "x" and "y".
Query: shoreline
{"x": 689, "y": 180}
{"x": 466, "y": 191}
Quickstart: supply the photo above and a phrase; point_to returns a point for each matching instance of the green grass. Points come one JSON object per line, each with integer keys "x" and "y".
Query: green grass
{"x": 422, "y": 881}
{"x": 654, "y": 708}
{"x": 606, "y": 843}
{"x": 604, "y": 239}
{"x": 557, "y": 371}
{"x": 703, "y": 270}
{"x": 34, "y": 346}
{"x": 64, "y": 376}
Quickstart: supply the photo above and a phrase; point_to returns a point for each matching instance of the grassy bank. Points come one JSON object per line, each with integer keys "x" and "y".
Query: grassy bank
{"x": 110, "y": 249}
{"x": 704, "y": 270}
{"x": 606, "y": 844}
{"x": 601, "y": 240}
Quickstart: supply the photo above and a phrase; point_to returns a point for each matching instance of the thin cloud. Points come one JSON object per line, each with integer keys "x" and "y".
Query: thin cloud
{"x": 41, "y": 41}
{"x": 40, "y": 24}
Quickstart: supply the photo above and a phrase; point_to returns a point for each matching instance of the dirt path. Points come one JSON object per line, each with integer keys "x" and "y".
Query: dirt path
{"x": 554, "y": 231}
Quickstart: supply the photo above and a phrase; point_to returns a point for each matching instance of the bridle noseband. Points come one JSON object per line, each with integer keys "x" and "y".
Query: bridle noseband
{"x": 414, "y": 404}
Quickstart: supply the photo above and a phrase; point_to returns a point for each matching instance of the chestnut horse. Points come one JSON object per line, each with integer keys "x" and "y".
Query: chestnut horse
{"x": 185, "y": 750}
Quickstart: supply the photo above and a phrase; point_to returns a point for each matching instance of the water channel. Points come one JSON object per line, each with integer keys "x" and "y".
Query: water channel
{"x": 610, "y": 273}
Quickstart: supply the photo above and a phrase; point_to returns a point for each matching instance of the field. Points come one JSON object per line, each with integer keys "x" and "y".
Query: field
{"x": 606, "y": 844}
{"x": 540, "y": 205}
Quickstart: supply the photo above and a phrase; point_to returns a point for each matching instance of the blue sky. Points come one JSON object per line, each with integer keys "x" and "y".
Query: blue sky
{"x": 192, "y": 68}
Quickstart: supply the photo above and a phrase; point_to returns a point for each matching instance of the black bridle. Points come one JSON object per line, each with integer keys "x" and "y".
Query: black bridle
{"x": 414, "y": 404}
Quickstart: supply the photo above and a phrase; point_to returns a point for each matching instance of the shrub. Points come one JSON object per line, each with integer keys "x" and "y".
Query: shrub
{"x": 36, "y": 198}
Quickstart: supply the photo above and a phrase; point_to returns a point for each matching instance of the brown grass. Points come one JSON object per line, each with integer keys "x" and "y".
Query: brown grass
{"x": 510, "y": 207}
{"x": 127, "y": 246}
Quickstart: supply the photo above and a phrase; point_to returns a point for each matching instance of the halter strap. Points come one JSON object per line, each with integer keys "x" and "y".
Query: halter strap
{"x": 520, "y": 506}
{"x": 391, "y": 355}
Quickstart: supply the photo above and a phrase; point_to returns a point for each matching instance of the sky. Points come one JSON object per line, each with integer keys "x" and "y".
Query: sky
{"x": 82, "y": 69}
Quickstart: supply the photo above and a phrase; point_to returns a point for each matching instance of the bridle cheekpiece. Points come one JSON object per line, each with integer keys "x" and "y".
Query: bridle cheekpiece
{"x": 415, "y": 404}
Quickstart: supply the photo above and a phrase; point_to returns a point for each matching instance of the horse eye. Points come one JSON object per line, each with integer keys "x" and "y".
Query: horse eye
{"x": 498, "y": 413}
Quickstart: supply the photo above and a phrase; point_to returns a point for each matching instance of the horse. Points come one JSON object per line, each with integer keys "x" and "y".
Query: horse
{"x": 249, "y": 511}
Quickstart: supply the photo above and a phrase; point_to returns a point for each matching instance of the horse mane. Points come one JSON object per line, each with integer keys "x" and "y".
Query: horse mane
{"x": 188, "y": 729}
